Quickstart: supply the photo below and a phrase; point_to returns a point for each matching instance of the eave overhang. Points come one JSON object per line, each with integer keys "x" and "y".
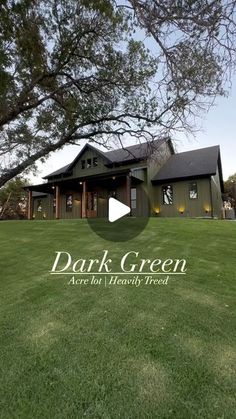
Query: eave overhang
{"x": 183, "y": 178}
{"x": 73, "y": 182}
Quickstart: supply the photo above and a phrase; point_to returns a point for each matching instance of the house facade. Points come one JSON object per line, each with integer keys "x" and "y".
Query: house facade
{"x": 148, "y": 177}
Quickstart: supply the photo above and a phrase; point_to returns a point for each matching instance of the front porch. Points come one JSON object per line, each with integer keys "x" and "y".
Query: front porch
{"x": 82, "y": 198}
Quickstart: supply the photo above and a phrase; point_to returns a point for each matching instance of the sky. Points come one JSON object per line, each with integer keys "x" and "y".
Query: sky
{"x": 218, "y": 128}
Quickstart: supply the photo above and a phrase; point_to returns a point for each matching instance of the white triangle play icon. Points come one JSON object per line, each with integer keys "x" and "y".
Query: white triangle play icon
{"x": 117, "y": 210}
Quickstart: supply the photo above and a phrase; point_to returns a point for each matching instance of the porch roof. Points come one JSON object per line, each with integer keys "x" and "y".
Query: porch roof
{"x": 48, "y": 187}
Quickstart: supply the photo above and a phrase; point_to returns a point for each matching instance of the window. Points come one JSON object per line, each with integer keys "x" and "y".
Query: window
{"x": 133, "y": 198}
{"x": 193, "y": 190}
{"x": 69, "y": 203}
{"x": 89, "y": 163}
{"x": 167, "y": 195}
{"x": 39, "y": 205}
{"x": 86, "y": 164}
{"x": 54, "y": 204}
{"x": 92, "y": 201}
{"x": 112, "y": 194}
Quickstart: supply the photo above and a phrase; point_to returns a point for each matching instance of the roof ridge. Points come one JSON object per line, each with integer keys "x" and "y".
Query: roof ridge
{"x": 133, "y": 145}
{"x": 136, "y": 151}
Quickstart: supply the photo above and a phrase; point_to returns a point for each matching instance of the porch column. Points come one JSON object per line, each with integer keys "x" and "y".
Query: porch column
{"x": 30, "y": 205}
{"x": 58, "y": 201}
{"x": 84, "y": 200}
{"x": 128, "y": 192}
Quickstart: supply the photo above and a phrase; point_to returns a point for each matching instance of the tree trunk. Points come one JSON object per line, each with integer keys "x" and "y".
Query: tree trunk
{"x": 5, "y": 205}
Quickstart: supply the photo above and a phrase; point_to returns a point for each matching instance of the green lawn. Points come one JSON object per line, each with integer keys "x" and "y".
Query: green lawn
{"x": 119, "y": 351}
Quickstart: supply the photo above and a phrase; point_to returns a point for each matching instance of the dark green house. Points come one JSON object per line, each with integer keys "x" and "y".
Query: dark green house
{"x": 148, "y": 177}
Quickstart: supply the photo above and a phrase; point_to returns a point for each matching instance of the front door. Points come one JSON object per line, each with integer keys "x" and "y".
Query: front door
{"x": 92, "y": 205}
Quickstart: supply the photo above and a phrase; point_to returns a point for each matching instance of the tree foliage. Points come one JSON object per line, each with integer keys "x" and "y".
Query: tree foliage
{"x": 13, "y": 199}
{"x": 230, "y": 188}
{"x": 72, "y": 70}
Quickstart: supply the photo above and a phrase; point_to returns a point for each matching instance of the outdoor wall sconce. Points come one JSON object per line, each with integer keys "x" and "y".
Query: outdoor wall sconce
{"x": 113, "y": 178}
{"x": 207, "y": 210}
{"x": 157, "y": 211}
{"x": 181, "y": 211}
{"x": 81, "y": 183}
{"x": 53, "y": 187}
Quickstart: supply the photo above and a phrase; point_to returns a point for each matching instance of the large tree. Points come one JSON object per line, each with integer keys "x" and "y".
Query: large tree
{"x": 76, "y": 69}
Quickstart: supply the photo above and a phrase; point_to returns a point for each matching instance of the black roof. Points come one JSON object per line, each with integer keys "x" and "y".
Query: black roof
{"x": 58, "y": 172}
{"x": 135, "y": 152}
{"x": 190, "y": 164}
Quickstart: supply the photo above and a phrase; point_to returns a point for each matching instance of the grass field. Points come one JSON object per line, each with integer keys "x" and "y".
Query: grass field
{"x": 118, "y": 351}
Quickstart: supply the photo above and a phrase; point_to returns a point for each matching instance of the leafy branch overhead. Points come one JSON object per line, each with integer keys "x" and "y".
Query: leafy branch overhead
{"x": 73, "y": 70}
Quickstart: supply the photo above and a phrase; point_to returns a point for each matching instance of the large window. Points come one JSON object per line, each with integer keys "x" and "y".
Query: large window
{"x": 133, "y": 198}
{"x": 193, "y": 190}
{"x": 167, "y": 195}
{"x": 39, "y": 205}
{"x": 69, "y": 203}
{"x": 92, "y": 201}
{"x": 54, "y": 204}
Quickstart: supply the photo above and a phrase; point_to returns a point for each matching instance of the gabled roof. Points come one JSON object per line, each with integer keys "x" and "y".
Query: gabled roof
{"x": 87, "y": 146}
{"x": 190, "y": 164}
{"x": 68, "y": 167}
{"x": 136, "y": 152}
{"x": 58, "y": 172}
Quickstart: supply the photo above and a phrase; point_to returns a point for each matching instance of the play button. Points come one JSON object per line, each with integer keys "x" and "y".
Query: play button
{"x": 117, "y": 210}
{"x": 117, "y": 222}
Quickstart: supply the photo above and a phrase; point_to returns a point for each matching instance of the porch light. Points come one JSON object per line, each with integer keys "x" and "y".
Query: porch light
{"x": 53, "y": 187}
{"x": 81, "y": 183}
{"x": 181, "y": 210}
{"x": 113, "y": 177}
{"x": 157, "y": 211}
{"x": 207, "y": 210}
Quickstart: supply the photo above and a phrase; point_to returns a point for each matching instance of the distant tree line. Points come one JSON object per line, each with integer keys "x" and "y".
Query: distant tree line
{"x": 230, "y": 190}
